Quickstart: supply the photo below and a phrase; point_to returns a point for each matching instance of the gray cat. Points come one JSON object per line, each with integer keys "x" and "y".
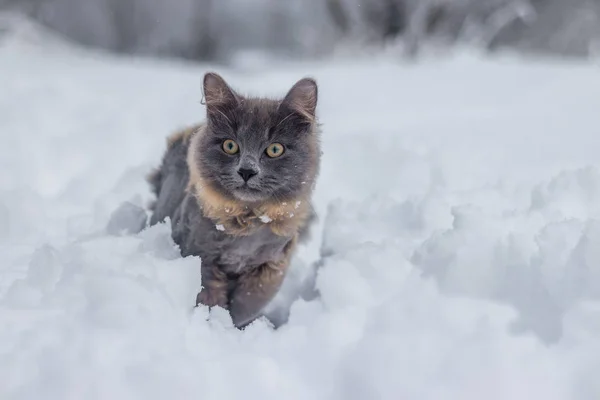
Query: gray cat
{"x": 237, "y": 189}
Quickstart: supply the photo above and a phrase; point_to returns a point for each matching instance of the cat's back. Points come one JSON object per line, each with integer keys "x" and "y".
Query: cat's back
{"x": 169, "y": 181}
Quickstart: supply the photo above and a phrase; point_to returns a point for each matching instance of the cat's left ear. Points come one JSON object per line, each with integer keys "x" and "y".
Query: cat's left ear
{"x": 302, "y": 98}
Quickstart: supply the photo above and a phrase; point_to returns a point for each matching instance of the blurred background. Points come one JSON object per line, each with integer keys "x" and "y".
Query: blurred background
{"x": 221, "y": 30}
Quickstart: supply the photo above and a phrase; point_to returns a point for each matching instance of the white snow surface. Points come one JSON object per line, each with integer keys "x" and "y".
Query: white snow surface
{"x": 459, "y": 205}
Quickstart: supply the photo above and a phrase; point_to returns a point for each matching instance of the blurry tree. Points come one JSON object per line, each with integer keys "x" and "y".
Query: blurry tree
{"x": 569, "y": 28}
{"x": 203, "y": 44}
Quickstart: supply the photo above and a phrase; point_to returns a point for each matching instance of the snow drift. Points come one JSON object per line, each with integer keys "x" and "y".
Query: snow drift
{"x": 457, "y": 241}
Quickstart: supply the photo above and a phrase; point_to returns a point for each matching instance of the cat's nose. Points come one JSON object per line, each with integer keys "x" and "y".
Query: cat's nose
{"x": 247, "y": 173}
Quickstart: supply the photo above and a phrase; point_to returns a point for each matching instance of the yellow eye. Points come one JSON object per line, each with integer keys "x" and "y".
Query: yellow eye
{"x": 230, "y": 147}
{"x": 275, "y": 150}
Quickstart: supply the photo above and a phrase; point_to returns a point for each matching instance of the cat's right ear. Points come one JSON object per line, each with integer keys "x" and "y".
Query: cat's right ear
{"x": 302, "y": 99}
{"x": 219, "y": 98}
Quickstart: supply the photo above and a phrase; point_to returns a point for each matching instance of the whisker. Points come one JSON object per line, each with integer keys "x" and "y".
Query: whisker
{"x": 283, "y": 120}
{"x": 224, "y": 116}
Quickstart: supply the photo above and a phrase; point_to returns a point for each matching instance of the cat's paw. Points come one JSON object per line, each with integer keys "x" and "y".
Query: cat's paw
{"x": 212, "y": 298}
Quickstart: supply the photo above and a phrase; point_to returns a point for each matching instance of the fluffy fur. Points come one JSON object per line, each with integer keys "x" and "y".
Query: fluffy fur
{"x": 244, "y": 230}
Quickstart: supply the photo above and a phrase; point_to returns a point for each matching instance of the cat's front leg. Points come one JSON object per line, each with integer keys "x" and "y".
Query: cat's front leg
{"x": 254, "y": 290}
{"x": 214, "y": 287}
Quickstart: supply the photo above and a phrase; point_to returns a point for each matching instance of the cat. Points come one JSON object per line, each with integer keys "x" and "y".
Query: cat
{"x": 237, "y": 189}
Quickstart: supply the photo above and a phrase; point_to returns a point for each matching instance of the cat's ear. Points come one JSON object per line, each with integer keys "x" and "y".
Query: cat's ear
{"x": 302, "y": 98}
{"x": 219, "y": 97}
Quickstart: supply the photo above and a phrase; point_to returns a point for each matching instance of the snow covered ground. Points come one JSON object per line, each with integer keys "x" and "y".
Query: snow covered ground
{"x": 459, "y": 236}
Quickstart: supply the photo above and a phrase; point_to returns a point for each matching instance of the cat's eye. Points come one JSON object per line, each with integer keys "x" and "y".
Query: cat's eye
{"x": 230, "y": 146}
{"x": 275, "y": 150}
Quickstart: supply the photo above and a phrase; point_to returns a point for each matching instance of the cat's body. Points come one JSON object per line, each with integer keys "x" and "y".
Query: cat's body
{"x": 242, "y": 210}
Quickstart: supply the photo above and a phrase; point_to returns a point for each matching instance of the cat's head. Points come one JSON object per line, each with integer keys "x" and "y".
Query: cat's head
{"x": 258, "y": 149}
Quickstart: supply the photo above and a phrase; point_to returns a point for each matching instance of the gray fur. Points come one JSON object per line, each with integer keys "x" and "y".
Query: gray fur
{"x": 169, "y": 182}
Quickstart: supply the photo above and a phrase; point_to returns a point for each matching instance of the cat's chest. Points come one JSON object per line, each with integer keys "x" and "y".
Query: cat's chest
{"x": 233, "y": 252}
{"x": 224, "y": 244}
{"x": 252, "y": 250}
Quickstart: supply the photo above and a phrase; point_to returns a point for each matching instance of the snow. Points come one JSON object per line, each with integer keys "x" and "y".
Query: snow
{"x": 459, "y": 205}
{"x": 265, "y": 219}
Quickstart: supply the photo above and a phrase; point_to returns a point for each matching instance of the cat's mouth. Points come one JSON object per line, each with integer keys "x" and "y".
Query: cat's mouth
{"x": 247, "y": 193}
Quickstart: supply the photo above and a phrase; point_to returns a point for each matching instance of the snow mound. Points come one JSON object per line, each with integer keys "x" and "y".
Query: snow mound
{"x": 540, "y": 258}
